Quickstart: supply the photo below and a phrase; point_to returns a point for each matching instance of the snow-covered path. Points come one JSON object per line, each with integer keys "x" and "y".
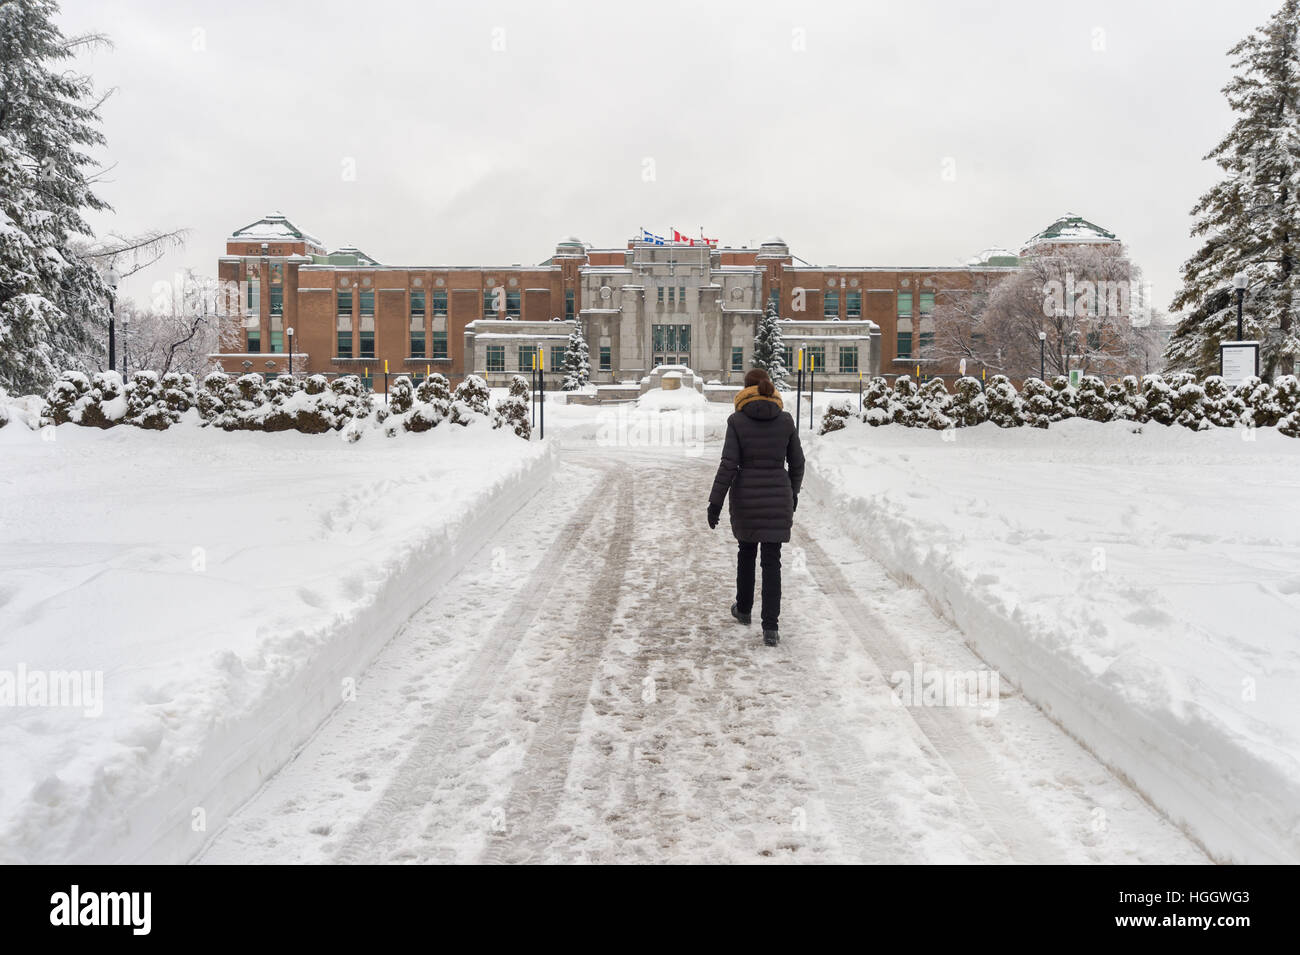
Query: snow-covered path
{"x": 579, "y": 693}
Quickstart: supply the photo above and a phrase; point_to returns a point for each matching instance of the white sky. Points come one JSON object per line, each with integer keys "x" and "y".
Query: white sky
{"x": 468, "y": 155}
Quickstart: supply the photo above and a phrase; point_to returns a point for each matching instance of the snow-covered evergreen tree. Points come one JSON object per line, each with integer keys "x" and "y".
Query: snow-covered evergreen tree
{"x": 878, "y": 402}
{"x": 1091, "y": 401}
{"x": 969, "y": 406}
{"x": 1250, "y": 220}
{"x": 1222, "y": 407}
{"x": 1062, "y": 398}
{"x": 1003, "y": 402}
{"x": 769, "y": 350}
{"x": 836, "y": 416}
{"x": 907, "y": 401}
{"x": 1159, "y": 398}
{"x": 935, "y": 404}
{"x": 1037, "y": 403}
{"x": 1126, "y": 396}
{"x": 577, "y": 361}
{"x": 53, "y": 303}
{"x": 401, "y": 395}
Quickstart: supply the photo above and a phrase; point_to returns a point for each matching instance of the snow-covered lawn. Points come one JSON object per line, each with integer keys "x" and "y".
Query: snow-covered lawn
{"x": 1143, "y": 589}
{"x": 227, "y": 586}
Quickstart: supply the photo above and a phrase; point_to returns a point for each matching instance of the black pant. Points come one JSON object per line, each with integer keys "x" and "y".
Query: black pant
{"x": 771, "y": 564}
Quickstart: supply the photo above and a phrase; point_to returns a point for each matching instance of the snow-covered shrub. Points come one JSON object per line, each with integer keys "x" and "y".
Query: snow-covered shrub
{"x": 907, "y": 401}
{"x": 61, "y": 400}
{"x": 145, "y": 405}
{"x": 969, "y": 407}
{"x": 1063, "y": 399}
{"x": 519, "y": 387}
{"x": 1260, "y": 400}
{"x": 1037, "y": 403}
{"x": 1091, "y": 401}
{"x": 836, "y": 415}
{"x": 104, "y": 405}
{"x": 352, "y": 399}
{"x": 212, "y": 397}
{"x": 432, "y": 404}
{"x": 1188, "y": 399}
{"x": 1126, "y": 397}
{"x": 470, "y": 401}
{"x": 512, "y": 412}
{"x": 179, "y": 392}
{"x": 878, "y": 402}
{"x": 401, "y": 395}
{"x": 436, "y": 390}
{"x": 1159, "y": 398}
{"x": 1003, "y": 402}
{"x": 1287, "y": 394}
{"x": 279, "y": 412}
{"x": 934, "y": 404}
{"x": 1290, "y": 425}
{"x": 1220, "y": 405}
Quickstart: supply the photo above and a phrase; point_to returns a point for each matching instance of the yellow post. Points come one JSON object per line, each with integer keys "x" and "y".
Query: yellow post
{"x": 385, "y": 366}
{"x": 541, "y": 359}
{"x": 426, "y": 371}
{"x": 918, "y": 371}
{"x": 800, "y": 361}
{"x": 812, "y": 363}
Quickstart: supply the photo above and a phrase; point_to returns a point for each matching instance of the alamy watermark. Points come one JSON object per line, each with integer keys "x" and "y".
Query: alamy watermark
{"x": 74, "y": 689}
{"x": 977, "y": 689}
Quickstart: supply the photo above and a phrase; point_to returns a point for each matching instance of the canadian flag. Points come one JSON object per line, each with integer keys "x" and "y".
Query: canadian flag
{"x": 683, "y": 239}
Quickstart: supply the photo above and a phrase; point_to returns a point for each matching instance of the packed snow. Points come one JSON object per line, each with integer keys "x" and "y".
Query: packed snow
{"x": 226, "y": 585}
{"x": 1143, "y": 588}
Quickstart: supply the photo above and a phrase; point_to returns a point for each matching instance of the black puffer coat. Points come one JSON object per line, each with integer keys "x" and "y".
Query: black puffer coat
{"x": 761, "y": 438}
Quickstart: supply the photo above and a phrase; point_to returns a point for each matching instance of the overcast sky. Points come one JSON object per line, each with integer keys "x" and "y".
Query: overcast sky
{"x": 884, "y": 133}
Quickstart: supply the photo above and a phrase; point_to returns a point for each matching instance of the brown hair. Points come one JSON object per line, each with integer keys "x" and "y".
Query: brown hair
{"x": 757, "y": 376}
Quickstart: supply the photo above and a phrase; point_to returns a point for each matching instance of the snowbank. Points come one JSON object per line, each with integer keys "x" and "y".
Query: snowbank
{"x": 228, "y": 586}
{"x": 1143, "y": 589}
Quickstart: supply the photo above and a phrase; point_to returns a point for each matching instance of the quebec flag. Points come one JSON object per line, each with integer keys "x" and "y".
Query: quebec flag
{"x": 651, "y": 238}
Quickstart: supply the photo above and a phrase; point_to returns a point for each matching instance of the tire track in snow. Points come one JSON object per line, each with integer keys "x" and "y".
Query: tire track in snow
{"x": 540, "y": 781}
{"x": 416, "y": 780}
{"x": 1023, "y": 836}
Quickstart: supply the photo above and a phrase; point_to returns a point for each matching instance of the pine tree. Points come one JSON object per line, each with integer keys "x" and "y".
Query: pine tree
{"x": 1251, "y": 219}
{"x": 577, "y": 361}
{"x": 53, "y": 303}
{"x": 769, "y": 351}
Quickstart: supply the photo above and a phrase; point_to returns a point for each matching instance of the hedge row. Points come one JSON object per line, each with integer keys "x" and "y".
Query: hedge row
{"x": 311, "y": 405}
{"x": 1177, "y": 399}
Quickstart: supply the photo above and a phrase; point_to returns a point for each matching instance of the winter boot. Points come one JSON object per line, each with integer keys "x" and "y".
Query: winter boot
{"x": 741, "y": 617}
{"x": 771, "y": 637}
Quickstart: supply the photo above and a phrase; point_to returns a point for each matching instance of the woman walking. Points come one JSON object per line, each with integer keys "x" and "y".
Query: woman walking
{"x": 761, "y": 438}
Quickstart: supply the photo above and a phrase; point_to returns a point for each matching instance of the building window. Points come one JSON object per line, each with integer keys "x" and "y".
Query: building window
{"x": 417, "y": 343}
{"x": 661, "y": 295}
{"x": 496, "y": 357}
{"x": 440, "y": 304}
{"x": 367, "y": 345}
{"x": 253, "y": 345}
{"x": 417, "y": 304}
{"x": 848, "y": 359}
{"x": 557, "y": 357}
{"x": 489, "y": 303}
{"x": 854, "y": 305}
{"x": 439, "y": 345}
{"x": 277, "y": 300}
{"x": 904, "y": 349}
{"x": 527, "y": 354}
{"x": 568, "y": 303}
{"x": 277, "y": 341}
{"x": 737, "y": 358}
{"x": 345, "y": 303}
{"x": 672, "y": 294}
{"x": 514, "y": 303}
{"x": 606, "y": 363}
{"x": 831, "y": 304}
{"x": 924, "y": 343}
{"x": 787, "y": 357}
{"x": 905, "y": 303}
{"x": 816, "y": 355}
{"x": 345, "y": 344}
{"x": 927, "y": 303}
{"x": 368, "y": 302}
{"x": 681, "y": 295}
{"x": 254, "y": 301}
{"x": 671, "y": 344}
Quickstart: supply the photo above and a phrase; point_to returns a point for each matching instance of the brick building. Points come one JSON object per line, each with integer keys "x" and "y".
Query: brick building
{"x": 639, "y": 306}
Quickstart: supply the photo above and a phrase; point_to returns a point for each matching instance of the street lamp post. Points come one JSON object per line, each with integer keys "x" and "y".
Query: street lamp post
{"x": 126, "y": 339}
{"x": 1042, "y": 356}
{"x": 1239, "y": 283}
{"x": 112, "y": 277}
{"x": 289, "y": 331}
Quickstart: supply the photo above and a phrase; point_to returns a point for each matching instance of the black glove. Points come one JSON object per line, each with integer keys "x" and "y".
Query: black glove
{"x": 713, "y": 517}
{"x": 796, "y": 504}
